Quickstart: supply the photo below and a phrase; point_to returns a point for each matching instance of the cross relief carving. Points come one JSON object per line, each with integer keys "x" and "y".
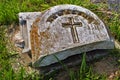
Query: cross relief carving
{"x": 72, "y": 25}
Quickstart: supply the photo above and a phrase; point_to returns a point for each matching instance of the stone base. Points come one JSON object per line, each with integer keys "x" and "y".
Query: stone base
{"x": 73, "y": 61}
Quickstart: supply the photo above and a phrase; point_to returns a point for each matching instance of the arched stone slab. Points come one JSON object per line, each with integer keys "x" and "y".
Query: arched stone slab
{"x": 67, "y": 30}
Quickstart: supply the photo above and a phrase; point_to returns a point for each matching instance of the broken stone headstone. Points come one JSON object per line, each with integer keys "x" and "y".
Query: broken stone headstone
{"x": 63, "y": 31}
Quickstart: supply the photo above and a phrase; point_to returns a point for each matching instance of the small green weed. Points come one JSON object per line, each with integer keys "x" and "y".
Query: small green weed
{"x": 85, "y": 72}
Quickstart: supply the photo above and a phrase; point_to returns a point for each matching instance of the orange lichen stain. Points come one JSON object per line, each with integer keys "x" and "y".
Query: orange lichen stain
{"x": 35, "y": 43}
{"x": 37, "y": 20}
{"x": 45, "y": 34}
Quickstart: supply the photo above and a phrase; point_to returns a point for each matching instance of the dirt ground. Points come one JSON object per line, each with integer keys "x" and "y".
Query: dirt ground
{"x": 107, "y": 66}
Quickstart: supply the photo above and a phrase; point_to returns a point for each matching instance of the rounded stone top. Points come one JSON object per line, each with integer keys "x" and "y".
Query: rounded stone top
{"x": 69, "y": 10}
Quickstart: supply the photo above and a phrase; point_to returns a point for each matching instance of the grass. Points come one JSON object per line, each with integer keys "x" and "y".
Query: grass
{"x": 85, "y": 72}
{"x": 9, "y": 10}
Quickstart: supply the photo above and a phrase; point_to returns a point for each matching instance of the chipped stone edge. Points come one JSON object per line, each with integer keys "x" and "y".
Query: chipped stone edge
{"x": 50, "y": 59}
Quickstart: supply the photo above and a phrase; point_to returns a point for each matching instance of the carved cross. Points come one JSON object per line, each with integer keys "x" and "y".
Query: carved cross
{"x": 72, "y": 25}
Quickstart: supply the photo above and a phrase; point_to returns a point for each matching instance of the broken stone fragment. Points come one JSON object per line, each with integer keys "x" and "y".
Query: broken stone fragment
{"x": 26, "y": 20}
{"x": 63, "y": 31}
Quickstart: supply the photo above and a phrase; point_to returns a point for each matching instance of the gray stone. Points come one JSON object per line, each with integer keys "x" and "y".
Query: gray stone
{"x": 63, "y": 31}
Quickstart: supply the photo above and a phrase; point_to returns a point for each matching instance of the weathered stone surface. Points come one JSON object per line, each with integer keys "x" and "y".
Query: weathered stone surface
{"x": 67, "y": 30}
{"x": 62, "y": 31}
{"x": 26, "y": 20}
